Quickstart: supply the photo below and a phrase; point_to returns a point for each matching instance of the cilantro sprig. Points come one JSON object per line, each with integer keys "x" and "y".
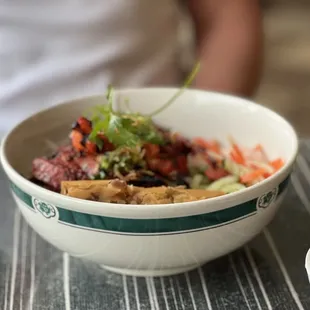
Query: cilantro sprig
{"x": 129, "y": 129}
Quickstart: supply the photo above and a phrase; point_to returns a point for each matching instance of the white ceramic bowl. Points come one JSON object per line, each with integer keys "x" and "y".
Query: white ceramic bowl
{"x": 307, "y": 264}
{"x": 157, "y": 239}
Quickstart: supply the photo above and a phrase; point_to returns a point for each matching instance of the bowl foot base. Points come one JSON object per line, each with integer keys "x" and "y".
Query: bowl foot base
{"x": 150, "y": 273}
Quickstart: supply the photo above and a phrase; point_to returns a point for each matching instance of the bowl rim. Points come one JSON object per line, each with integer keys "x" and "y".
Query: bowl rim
{"x": 94, "y": 207}
{"x": 307, "y": 263}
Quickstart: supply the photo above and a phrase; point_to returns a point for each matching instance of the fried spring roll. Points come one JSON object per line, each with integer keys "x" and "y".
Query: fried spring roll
{"x": 117, "y": 191}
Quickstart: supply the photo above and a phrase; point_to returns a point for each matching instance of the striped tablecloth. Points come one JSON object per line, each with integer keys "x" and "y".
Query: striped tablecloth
{"x": 268, "y": 273}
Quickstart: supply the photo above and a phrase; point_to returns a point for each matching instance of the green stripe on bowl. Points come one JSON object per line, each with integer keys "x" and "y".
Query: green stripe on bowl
{"x": 22, "y": 195}
{"x": 148, "y": 226}
{"x": 152, "y": 226}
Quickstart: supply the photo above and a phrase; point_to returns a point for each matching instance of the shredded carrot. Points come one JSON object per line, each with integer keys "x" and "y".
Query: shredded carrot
{"x": 236, "y": 158}
{"x": 237, "y": 151}
{"x": 212, "y": 145}
{"x": 252, "y": 176}
{"x": 200, "y": 142}
{"x": 259, "y": 148}
{"x": 277, "y": 164}
{"x": 266, "y": 175}
{"x": 76, "y": 139}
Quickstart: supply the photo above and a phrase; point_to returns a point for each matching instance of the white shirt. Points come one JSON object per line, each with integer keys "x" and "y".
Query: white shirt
{"x": 55, "y": 50}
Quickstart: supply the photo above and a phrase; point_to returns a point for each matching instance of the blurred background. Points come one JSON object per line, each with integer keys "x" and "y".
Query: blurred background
{"x": 286, "y": 81}
{"x": 285, "y": 86}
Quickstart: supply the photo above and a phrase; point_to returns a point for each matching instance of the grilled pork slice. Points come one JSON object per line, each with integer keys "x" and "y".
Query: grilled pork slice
{"x": 117, "y": 191}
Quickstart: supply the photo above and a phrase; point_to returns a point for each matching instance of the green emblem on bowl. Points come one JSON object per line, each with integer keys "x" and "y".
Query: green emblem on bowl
{"x": 267, "y": 199}
{"x": 46, "y": 209}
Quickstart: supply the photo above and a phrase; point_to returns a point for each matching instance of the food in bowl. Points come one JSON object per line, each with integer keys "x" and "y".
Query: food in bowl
{"x": 161, "y": 239}
{"x": 131, "y": 147}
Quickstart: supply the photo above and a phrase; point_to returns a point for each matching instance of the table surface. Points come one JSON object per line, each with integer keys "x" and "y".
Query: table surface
{"x": 268, "y": 273}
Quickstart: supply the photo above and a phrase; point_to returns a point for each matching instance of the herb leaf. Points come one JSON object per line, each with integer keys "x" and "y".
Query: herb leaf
{"x": 100, "y": 121}
{"x": 187, "y": 83}
{"x": 131, "y": 129}
{"x": 119, "y": 133}
{"x": 144, "y": 127}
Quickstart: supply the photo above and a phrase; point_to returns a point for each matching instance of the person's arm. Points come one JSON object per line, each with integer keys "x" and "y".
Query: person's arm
{"x": 229, "y": 44}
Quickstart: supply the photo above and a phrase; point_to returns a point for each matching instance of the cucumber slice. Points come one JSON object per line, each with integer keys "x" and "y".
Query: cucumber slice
{"x": 198, "y": 180}
{"x": 235, "y": 168}
{"x": 217, "y": 185}
{"x": 231, "y": 188}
